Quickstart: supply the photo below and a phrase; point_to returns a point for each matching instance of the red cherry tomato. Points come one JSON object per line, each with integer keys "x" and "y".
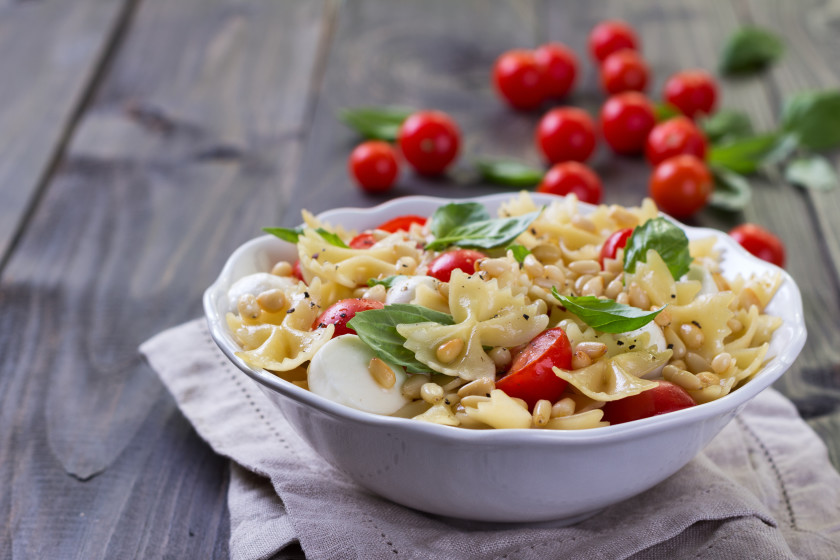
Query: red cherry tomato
{"x": 681, "y": 185}
{"x": 665, "y": 397}
{"x": 572, "y": 177}
{"x": 519, "y": 79}
{"x": 674, "y": 137}
{"x": 559, "y": 67}
{"x": 297, "y": 272}
{"x": 617, "y": 240}
{"x": 693, "y": 92}
{"x": 373, "y": 164}
{"x": 624, "y": 70}
{"x": 401, "y": 223}
{"x": 610, "y": 36}
{"x": 530, "y": 377}
{"x": 627, "y": 119}
{"x": 429, "y": 141}
{"x": 341, "y": 312}
{"x": 760, "y": 242}
{"x": 362, "y": 241}
{"x": 446, "y": 263}
{"x": 566, "y": 134}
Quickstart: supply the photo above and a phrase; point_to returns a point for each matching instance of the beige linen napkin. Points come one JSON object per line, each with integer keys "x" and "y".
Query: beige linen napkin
{"x": 763, "y": 488}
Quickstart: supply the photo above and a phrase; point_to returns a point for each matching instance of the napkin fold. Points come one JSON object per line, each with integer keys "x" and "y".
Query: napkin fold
{"x": 763, "y": 488}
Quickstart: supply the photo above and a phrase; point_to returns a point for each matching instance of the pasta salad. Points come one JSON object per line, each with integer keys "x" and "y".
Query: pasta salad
{"x": 540, "y": 317}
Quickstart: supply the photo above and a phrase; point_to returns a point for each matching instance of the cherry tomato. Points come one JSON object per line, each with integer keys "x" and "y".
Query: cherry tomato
{"x": 566, "y": 134}
{"x": 681, "y": 185}
{"x": 559, "y": 67}
{"x": 362, "y": 241}
{"x": 610, "y": 36}
{"x": 341, "y": 312}
{"x": 665, "y": 397}
{"x": 519, "y": 79}
{"x": 429, "y": 141}
{"x": 459, "y": 259}
{"x": 530, "y": 376}
{"x": 572, "y": 177}
{"x": 401, "y": 223}
{"x": 627, "y": 119}
{"x": 693, "y": 92}
{"x": 617, "y": 240}
{"x": 674, "y": 137}
{"x": 760, "y": 242}
{"x": 373, "y": 164}
{"x": 624, "y": 70}
{"x": 297, "y": 272}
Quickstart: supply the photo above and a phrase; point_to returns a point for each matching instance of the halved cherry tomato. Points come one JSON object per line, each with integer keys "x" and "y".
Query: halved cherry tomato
{"x": 530, "y": 376}
{"x": 297, "y": 272}
{"x": 401, "y": 223}
{"x": 341, "y": 312}
{"x": 362, "y": 241}
{"x": 617, "y": 240}
{"x": 760, "y": 243}
{"x": 664, "y": 398}
{"x": 459, "y": 259}
{"x": 674, "y": 137}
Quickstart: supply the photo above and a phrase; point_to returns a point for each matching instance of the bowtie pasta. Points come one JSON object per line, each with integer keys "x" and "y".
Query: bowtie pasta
{"x": 538, "y": 318}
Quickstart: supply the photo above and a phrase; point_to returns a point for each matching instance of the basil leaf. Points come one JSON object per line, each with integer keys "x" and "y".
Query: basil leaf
{"x": 519, "y": 252}
{"x": 732, "y": 191}
{"x": 446, "y": 218}
{"x": 812, "y": 172}
{"x": 743, "y": 155}
{"x": 726, "y": 125}
{"x": 664, "y": 111}
{"x": 378, "y": 123}
{"x": 332, "y": 238}
{"x": 378, "y": 329}
{"x": 606, "y": 315}
{"x": 388, "y": 282}
{"x": 486, "y": 234}
{"x": 663, "y": 237}
{"x": 286, "y": 234}
{"x": 814, "y": 117}
{"x": 749, "y": 50}
{"x": 507, "y": 172}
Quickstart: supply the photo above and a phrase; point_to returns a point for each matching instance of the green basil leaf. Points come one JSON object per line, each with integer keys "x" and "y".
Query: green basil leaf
{"x": 378, "y": 329}
{"x": 378, "y": 123}
{"x": 388, "y": 282}
{"x": 749, "y": 50}
{"x": 448, "y": 217}
{"x": 519, "y": 252}
{"x": 606, "y": 315}
{"x": 286, "y": 234}
{"x": 732, "y": 191}
{"x": 507, "y": 172}
{"x": 663, "y": 237}
{"x": 664, "y": 111}
{"x": 814, "y": 117}
{"x": 726, "y": 125}
{"x": 486, "y": 234}
{"x": 744, "y": 155}
{"x": 812, "y": 172}
{"x": 331, "y": 238}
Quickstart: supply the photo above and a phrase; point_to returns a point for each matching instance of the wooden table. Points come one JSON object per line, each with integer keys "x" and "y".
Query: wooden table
{"x": 142, "y": 141}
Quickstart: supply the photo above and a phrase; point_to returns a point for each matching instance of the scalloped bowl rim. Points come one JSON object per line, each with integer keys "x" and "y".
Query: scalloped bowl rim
{"x": 780, "y": 362}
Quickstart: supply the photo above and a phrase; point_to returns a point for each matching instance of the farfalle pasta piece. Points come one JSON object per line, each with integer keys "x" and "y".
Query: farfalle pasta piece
{"x": 500, "y": 411}
{"x": 617, "y": 377}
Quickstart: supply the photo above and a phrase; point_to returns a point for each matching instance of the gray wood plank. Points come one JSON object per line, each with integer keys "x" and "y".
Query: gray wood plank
{"x": 51, "y": 53}
{"x": 183, "y": 154}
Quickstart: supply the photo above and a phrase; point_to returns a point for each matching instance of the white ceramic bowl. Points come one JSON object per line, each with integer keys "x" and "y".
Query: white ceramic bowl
{"x": 500, "y": 475}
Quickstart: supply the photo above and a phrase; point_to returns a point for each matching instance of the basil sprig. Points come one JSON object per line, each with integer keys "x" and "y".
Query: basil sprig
{"x": 749, "y": 50}
{"x": 663, "y": 237}
{"x": 378, "y": 329}
{"x": 377, "y": 123}
{"x": 726, "y": 125}
{"x": 519, "y": 252}
{"x": 732, "y": 190}
{"x": 469, "y": 225}
{"x": 293, "y": 234}
{"x": 508, "y": 172}
{"x": 606, "y": 315}
{"x": 813, "y": 172}
{"x": 814, "y": 118}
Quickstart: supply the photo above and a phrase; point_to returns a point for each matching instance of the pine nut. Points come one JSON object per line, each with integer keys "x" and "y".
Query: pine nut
{"x": 593, "y": 349}
{"x": 555, "y": 274}
{"x": 382, "y": 373}
{"x": 663, "y": 319}
{"x": 585, "y": 267}
{"x": 501, "y": 357}
{"x": 691, "y": 335}
{"x": 542, "y": 413}
{"x": 678, "y": 363}
{"x": 563, "y": 407}
{"x": 452, "y": 385}
{"x": 584, "y": 223}
{"x": 614, "y": 288}
{"x": 406, "y": 265}
{"x": 449, "y": 350}
{"x": 547, "y": 253}
{"x": 594, "y": 287}
{"x": 614, "y": 266}
{"x": 681, "y": 377}
{"x": 412, "y": 385}
{"x": 481, "y": 387}
{"x": 272, "y": 300}
{"x": 432, "y": 393}
{"x": 493, "y": 267}
{"x": 622, "y": 217}
{"x": 675, "y": 343}
{"x": 282, "y": 268}
{"x": 638, "y": 297}
{"x": 376, "y": 292}
{"x": 623, "y": 298}
{"x": 473, "y": 400}
{"x": 707, "y": 378}
{"x": 532, "y": 266}
{"x": 722, "y": 362}
{"x": 248, "y": 307}
{"x": 581, "y": 282}
{"x": 580, "y": 359}
{"x": 696, "y": 363}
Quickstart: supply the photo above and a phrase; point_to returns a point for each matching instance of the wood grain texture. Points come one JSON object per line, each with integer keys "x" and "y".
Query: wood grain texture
{"x": 51, "y": 52}
{"x": 181, "y": 156}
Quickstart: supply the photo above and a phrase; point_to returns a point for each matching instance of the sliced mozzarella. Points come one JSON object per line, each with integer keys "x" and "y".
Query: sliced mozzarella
{"x": 339, "y": 372}
{"x": 404, "y": 288}
{"x": 257, "y": 283}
